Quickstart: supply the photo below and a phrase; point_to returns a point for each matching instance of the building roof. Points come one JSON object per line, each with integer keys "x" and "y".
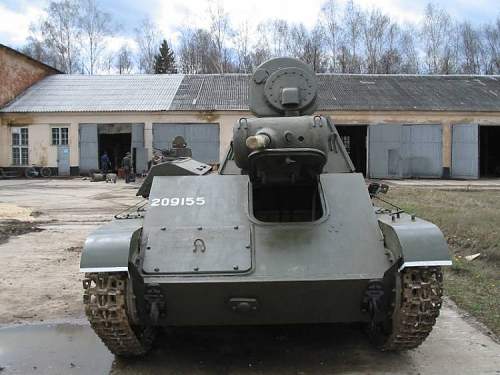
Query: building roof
{"x": 16, "y": 52}
{"x": 106, "y": 93}
{"x": 205, "y": 92}
{"x": 409, "y": 92}
{"x": 229, "y": 92}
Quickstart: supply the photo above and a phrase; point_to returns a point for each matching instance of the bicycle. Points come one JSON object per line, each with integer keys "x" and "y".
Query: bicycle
{"x": 36, "y": 171}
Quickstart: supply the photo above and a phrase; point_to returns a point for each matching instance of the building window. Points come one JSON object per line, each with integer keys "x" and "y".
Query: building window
{"x": 346, "y": 140}
{"x": 59, "y": 136}
{"x": 20, "y": 146}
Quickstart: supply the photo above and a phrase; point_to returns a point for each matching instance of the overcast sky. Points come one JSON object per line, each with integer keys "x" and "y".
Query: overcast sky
{"x": 17, "y": 15}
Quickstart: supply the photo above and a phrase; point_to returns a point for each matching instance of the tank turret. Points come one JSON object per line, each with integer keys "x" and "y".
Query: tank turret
{"x": 285, "y": 143}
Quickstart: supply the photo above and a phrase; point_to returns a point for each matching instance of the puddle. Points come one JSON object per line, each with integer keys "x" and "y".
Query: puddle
{"x": 70, "y": 348}
{"x": 52, "y": 349}
{"x": 10, "y": 228}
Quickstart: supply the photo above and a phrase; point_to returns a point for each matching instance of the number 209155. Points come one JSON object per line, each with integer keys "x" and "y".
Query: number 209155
{"x": 178, "y": 201}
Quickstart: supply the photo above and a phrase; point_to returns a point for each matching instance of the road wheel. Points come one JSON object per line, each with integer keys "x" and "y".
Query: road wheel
{"x": 416, "y": 301}
{"x": 110, "y": 309}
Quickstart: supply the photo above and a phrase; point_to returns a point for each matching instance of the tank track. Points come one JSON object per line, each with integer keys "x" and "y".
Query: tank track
{"x": 105, "y": 300}
{"x": 416, "y": 308}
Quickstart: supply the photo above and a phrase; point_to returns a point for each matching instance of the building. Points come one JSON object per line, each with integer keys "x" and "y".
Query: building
{"x": 394, "y": 126}
{"x": 18, "y": 72}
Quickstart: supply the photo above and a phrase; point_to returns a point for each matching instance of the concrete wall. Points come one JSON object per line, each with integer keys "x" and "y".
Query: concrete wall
{"x": 17, "y": 73}
{"x": 43, "y": 153}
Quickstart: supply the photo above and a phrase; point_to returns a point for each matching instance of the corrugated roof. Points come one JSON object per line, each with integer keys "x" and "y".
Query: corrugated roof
{"x": 212, "y": 92}
{"x": 409, "y": 92}
{"x": 106, "y": 93}
{"x": 226, "y": 92}
{"x": 337, "y": 92}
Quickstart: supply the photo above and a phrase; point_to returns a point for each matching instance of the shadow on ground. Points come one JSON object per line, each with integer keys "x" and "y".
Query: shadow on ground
{"x": 264, "y": 350}
{"x": 74, "y": 349}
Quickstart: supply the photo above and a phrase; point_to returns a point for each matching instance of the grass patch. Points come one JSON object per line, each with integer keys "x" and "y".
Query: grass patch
{"x": 470, "y": 221}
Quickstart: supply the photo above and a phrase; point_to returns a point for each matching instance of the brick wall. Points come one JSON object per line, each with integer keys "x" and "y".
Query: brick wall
{"x": 17, "y": 73}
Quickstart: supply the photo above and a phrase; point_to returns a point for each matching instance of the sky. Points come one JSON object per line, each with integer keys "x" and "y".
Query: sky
{"x": 16, "y": 16}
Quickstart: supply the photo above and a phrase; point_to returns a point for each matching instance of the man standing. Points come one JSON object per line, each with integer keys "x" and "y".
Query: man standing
{"x": 105, "y": 163}
{"x": 127, "y": 166}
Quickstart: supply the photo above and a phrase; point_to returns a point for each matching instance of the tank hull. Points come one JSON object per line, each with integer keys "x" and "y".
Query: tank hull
{"x": 206, "y": 304}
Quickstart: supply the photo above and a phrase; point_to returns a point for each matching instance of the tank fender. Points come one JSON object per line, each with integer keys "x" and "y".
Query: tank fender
{"x": 414, "y": 242}
{"x": 108, "y": 248}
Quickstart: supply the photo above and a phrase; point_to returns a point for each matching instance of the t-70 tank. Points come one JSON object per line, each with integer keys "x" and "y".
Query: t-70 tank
{"x": 285, "y": 233}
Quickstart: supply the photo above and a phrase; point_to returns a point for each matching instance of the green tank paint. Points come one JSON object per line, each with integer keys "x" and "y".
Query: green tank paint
{"x": 285, "y": 233}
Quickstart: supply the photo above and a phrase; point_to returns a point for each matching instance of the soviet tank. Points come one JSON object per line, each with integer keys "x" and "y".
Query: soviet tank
{"x": 285, "y": 233}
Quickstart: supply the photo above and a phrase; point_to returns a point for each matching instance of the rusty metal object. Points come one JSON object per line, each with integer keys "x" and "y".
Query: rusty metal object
{"x": 108, "y": 298}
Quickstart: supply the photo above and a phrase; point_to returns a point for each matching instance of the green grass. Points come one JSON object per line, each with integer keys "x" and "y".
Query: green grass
{"x": 470, "y": 221}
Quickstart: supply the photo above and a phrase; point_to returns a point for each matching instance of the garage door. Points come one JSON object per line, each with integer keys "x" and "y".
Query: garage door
{"x": 88, "y": 148}
{"x": 425, "y": 154}
{"x": 405, "y": 150}
{"x": 385, "y": 151}
{"x": 465, "y": 151}
{"x": 202, "y": 138}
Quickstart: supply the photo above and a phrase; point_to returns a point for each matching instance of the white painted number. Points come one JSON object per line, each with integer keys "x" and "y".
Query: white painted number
{"x": 178, "y": 201}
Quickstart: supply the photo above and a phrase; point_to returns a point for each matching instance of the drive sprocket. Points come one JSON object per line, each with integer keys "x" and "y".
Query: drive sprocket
{"x": 416, "y": 301}
{"x": 106, "y": 297}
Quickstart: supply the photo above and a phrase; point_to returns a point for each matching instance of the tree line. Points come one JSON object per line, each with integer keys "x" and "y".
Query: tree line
{"x": 72, "y": 37}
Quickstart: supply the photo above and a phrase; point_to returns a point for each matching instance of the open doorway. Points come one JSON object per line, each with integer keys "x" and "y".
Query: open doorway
{"x": 116, "y": 145}
{"x": 489, "y": 151}
{"x": 354, "y": 139}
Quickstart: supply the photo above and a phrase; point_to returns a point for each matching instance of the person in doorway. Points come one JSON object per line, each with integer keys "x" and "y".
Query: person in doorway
{"x": 105, "y": 163}
{"x": 127, "y": 166}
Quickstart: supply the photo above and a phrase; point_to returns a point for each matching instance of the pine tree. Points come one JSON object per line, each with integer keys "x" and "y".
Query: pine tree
{"x": 165, "y": 60}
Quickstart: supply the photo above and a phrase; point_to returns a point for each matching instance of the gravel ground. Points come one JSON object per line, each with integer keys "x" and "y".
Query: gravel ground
{"x": 40, "y": 283}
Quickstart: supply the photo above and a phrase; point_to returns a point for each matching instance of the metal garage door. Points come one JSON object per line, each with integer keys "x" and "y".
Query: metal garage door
{"x": 202, "y": 138}
{"x": 397, "y": 151}
{"x": 425, "y": 154}
{"x": 88, "y": 142}
{"x": 137, "y": 148}
{"x": 465, "y": 151}
{"x": 385, "y": 151}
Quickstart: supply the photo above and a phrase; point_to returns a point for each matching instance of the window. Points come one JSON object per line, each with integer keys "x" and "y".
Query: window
{"x": 20, "y": 146}
{"x": 346, "y": 139}
{"x": 59, "y": 136}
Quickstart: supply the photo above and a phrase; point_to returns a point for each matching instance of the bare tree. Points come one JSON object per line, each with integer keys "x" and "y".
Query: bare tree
{"x": 58, "y": 35}
{"x": 221, "y": 30}
{"x": 375, "y": 27}
{"x": 37, "y": 50}
{"x": 197, "y": 54}
{"x": 308, "y": 46}
{"x": 124, "y": 63}
{"x": 351, "y": 39}
{"x": 332, "y": 33}
{"x": 410, "y": 61}
{"x": 148, "y": 41}
{"x": 242, "y": 44}
{"x": 491, "y": 50}
{"x": 438, "y": 36}
{"x": 470, "y": 48}
{"x": 95, "y": 26}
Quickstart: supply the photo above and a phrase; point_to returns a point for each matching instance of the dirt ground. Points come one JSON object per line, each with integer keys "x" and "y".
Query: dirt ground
{"x": 47, "y": 221}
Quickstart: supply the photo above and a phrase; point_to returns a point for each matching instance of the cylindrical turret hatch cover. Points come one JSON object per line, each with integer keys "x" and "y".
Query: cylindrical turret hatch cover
{"x": 283, "y": 86}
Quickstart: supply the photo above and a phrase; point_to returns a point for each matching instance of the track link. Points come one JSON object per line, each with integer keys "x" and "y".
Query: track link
{"x": 415, "y": 308}
{"x": 105, "y": 300}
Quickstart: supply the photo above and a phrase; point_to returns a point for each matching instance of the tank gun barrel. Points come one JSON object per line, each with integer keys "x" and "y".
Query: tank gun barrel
{"x": 258, "y": 141}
